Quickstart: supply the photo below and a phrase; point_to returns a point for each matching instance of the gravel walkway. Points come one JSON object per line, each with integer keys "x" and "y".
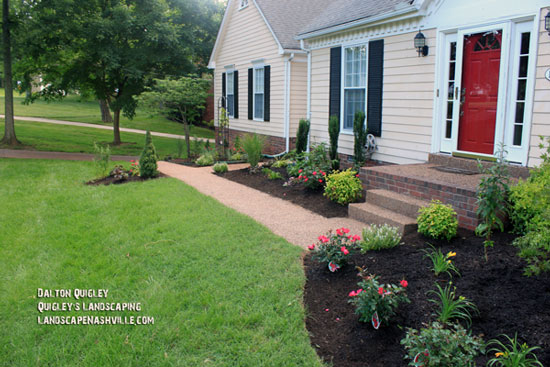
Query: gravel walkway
{"x": 96, "y": 126}
{"x": 295, "y": 224}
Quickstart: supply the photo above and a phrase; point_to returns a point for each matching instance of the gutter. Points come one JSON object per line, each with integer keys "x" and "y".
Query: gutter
{"x": 357, "y": 23}
{"x": 308, "y": 99}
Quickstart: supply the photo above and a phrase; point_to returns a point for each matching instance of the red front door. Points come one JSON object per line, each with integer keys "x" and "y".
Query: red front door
{"x": 480, "y": 72}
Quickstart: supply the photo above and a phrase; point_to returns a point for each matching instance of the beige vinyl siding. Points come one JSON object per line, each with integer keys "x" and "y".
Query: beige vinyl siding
{"x": 247, "y": 38}
{"x": 320, "y": 82}
{"x": 407, "y": 107}
{"x": 298, "y": 93}
{"x": 541, "y": 105}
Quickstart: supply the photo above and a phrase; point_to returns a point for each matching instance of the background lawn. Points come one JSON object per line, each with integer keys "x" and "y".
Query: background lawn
{"x": 224, "y": 291}
{"x": 63, "y": 138}
{"x": 75, "y": 108}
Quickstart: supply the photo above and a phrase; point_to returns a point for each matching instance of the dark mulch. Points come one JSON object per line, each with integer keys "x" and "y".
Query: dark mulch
{"x": 298, "y": 194}
{"x": 508, "y": 301}
{"x": 111, "y": 180}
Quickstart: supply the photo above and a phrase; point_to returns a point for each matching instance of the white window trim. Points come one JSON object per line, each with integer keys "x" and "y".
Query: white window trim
{"x": 227, "y": 72}
{"x": 243, "y": 4}
{"x": 256, "y": 67}
{"x": 343, "y": 83}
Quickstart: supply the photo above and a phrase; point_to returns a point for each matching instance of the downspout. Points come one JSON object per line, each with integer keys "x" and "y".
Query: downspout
{"x": 286, "y": 102}
{"x": 308, "y": 113}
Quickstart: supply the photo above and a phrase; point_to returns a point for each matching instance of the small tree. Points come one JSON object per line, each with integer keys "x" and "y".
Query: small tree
{"x": 301, "y": 136}
{"x": 148, "y": 159}
{"x": 360, "y": 134}
{"x": 183, "y": 98}
{"x": 334, "y": 133}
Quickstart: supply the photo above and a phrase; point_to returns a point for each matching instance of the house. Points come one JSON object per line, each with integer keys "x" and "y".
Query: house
{"x": 482, "y": 78}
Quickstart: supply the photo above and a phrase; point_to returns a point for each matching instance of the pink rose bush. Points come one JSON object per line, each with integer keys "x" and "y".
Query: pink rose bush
{"x": 335, "y": 247}
{"x": 377, "y": 301}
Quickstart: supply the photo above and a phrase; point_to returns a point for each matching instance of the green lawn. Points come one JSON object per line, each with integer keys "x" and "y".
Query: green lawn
{"x": 75, "y": 108}
{"x": 62, "y": 138}
{"x": 223, "y": 290}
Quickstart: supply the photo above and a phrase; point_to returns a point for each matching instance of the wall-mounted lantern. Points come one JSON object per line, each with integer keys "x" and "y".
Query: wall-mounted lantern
{"x": 420, "y": 44}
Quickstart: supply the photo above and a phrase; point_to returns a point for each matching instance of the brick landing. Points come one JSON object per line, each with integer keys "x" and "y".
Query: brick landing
{"x": 422, "y": 181}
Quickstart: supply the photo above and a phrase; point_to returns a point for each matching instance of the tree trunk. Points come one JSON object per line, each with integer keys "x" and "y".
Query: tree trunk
{"x": 105, "y": 111}
{"x": 9, "y": 129}
{"x": 116, "y": 127}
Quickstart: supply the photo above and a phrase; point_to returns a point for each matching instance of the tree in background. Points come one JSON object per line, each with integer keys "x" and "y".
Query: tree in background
{"x": 113, "y": 48}
{"x": 182, "y": 98}
{"x": 9, "y": 127}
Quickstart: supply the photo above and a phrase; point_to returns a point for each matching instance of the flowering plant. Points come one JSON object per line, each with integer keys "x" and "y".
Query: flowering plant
{"x": 334, "y": 248}
{"x": 375, "y": 302}
{"x": 134, "y": 168}
{"x": 312, "y": 168}
{"x": 442, "y": 263}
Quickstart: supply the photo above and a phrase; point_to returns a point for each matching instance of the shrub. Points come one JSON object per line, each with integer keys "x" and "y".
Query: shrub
{"x": 334, "y": 133}
{"x": 529, "y": 199}
{"x": 148, "y": 159}
{"x": 119, "y": 173}
{"x": 206, "y": 159}
{"x": 513, "y": 354}
{"x": 451, "y": 307}
{"x": 441, "y": 263}
{"x": 134, "y": 168}
{"x": 302, "y": 136}
{"x": 272, "y": 175}
{"x": 102, "y": 159}
{"x": 375, "y": 302}
{"x": 343, "y": 187}
{"x": 360, "y": 135}
{"x": 253, "y": 146}
{"x": 334, "y": 248}
{"x": 311, "y": 168}
{"x": 534, "y": 248}
{"x": 281, "y": 163}
{"x": 437, "y": 346}
{"x": 492, "y": 199}
{"x": 220, "y": 167}
{"x": 378, "y": 237}
{"x": 437, "y": 221}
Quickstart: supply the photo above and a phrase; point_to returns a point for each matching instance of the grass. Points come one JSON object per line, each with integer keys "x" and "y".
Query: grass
{"x": 76, "y": 108}
{"x": 223, "y": 290}
{"x": 74, "y": 139}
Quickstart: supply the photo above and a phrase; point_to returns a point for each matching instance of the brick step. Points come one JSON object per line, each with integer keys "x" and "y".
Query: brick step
{"x": 403, "y": 204}
{"x": 374, "y": 214}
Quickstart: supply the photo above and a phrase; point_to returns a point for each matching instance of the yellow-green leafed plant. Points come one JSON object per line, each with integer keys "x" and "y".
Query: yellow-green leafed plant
{"x": 220, "y": 167}
{"x": 343, "y": 187}
{"x": 512, "y": 355}
{"x": 437, "y": 221}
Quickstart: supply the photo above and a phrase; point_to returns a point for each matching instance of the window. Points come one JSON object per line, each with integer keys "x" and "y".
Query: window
{"x": 243, "y": 4}
{"x": 230, "y": 88}
{"x": 521, "y": 88}
{"x": 258, "y": 94}
{"x": 355, "y": 83}
{"x": 450, "y": 91}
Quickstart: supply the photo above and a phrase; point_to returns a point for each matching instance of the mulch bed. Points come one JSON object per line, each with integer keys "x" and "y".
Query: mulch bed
{"x": 312, "y": 200}
{"x": 111, "y": 180}
{"x": 508, "y": 301}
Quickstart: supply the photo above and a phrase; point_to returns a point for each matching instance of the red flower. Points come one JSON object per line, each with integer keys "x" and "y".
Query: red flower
{"x": 300, "y": 171}
{"x": 311, "y": 247}
{"x": 344, "y": 250}
{"x": 305, "y": 179}
{"x": 355, "y": 238}
{"x": 352, "y": 294}
{"x": 323, "y": 239}
{"x": 346, "y": 230}
{"x": 359, "y": 291}
{"x": 314, "y": 173}
{"x": 357, "y": 175}
{"x": 321, "y": 181}
{"x": 339, "y": 232}
{"x": 381, "y": 291}
{"x": 300, "y": 177}
{"x": 404, "y": 283}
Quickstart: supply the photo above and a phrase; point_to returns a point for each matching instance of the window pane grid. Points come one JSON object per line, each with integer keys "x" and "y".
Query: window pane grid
{"x": 230, "y": 94}
{"x": 521, "y": 89}
{"x": 450, "y": 92}
{"x": 355, "y": 81}
{"x": 259, "y": 93}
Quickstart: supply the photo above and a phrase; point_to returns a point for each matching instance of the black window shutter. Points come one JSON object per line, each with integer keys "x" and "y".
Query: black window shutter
{"x": 335, "y": 81}
{"x": 375, "y": 80}
{"x": 267, "y": 92}
{"x": 223, "y": 90}
{"x": 250, "y": 93}
{"x": 236, "y": 94}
